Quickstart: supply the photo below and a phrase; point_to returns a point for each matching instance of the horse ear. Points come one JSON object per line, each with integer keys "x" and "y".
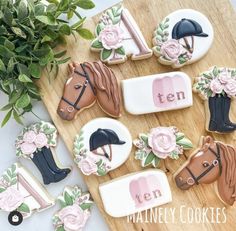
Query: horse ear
{"x": 208, "y": 140}
{"x": 71, "y": 67}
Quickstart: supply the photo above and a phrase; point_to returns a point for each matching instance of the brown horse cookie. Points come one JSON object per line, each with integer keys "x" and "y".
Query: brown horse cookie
{"x": 90, "y": 82}
{"x": 212, "y": 161}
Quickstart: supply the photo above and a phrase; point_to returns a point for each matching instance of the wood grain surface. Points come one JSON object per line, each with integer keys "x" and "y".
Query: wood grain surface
{"x": 191, "y": 121}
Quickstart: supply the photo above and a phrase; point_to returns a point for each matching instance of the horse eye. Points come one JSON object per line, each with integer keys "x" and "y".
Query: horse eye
{"x": 205, "y": 164}
{"x": 78, "y": 86}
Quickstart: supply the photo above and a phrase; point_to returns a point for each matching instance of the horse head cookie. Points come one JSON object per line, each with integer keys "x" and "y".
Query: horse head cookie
{"x": 217, "y": 86}
{"x": 118, "y": 36}
{"x": 160, "y": 143}
{"x": 35, "y": 142}
{"x": 183, "y": 37}
{"x": 90, "y": 82}
{"x": 21, "y": 194}
{"x": 102, "y": 145}
{"x": 212, "y": 161}
{"x": 75, "y": 210}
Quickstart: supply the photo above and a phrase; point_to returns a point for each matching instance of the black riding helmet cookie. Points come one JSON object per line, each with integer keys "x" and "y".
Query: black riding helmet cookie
{"x": 183, "y": 37}
{"x": 102, "y": 145}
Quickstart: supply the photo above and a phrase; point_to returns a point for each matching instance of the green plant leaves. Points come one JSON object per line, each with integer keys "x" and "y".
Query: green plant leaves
{"x": 85, "y": 4}
{"x": 106, "y": 54}
{"x": 6, "y": 118}
{"x": 7, "y": 17}
{"x": 65, "y": 29}
{"x": 24, "y": 78}
{"x": 2, "y": 66}
{"x": 47, "y": 19}
{"x": 22, "y": 11}
{"x": 35, "y": 70}
{"x": 23, "y": 101}
{"x": 85, "y": 33}
{"x": 24, "y": 208}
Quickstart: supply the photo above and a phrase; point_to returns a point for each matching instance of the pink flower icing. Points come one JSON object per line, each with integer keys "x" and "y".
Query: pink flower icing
{"x": 73, "y": 217}
{"x": 41, "y": 140}
{"x": 230, "y": 87}
{"x": 162, "y": 140}
{"x": 111, "y": 37}
{"x": 216, "y": 86}
{"x": 224, "y": 77}
{"x": 171, "y": 50}
{"x": 88, "y": 166}
{"x": 28, "y": 148}
{"x": 29, "y": 137}
{"x": 10, "y": 199}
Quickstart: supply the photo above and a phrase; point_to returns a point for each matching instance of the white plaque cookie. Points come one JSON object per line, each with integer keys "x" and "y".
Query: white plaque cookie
{"x": 102, "y": 145}
{"x": 183, "y": 37}
{"x": 135, "y": 192}
{"x": 156, "y": 93}
{"x": 118, "y": 36}
{"x": 21, "y": 194}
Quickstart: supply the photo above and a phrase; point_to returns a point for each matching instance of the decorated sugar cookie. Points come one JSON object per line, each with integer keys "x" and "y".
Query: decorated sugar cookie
{"x": 75, "y": 210}
{"x": 102, "y": 145}
{"x": 36, "y": 142}
{"x": 118, "y": 36}
{"x": 138, "y": 191}
{"x": 212, "y": 161}
{"x": 183, "y": 37}
{"x": 156, "y": 93}
{"x": 217, "y": 87}
{"x": 160, "y": 143}
{"x": 21, "y": 194}
{"x": 90, "y": 82}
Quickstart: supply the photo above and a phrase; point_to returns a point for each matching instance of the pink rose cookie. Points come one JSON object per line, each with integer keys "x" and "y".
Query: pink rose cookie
{"x": 102, "y": 145}
{"x": 21, "y": 194}
{"x": 135, "y": 192}
{"x": 118, "y": 36}
{"x": 160, "y": 143}
{"x": 35, "y": 142}
{"x": 183, "y": 37}
{"x": 217, "y": 87}
{"x": 75, "y": 210}
{"x": 159, "y": 92}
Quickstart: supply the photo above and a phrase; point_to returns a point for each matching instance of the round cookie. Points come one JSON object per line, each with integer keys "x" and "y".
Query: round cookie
{"x": 102, "y": 145}
{"x": 183, "y": 37}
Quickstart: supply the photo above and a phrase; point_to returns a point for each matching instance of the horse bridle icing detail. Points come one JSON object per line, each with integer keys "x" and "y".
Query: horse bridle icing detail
{"x": 193, "y": 179}
{"x": 73, "y": 106}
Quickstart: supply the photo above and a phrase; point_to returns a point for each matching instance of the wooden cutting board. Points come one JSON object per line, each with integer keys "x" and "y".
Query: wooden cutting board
{"x": 191, "y": 121}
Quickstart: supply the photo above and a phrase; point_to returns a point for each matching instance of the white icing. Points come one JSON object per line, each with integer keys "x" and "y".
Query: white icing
{"x": 118, "y": 197}
{"x": 138, "y": 93}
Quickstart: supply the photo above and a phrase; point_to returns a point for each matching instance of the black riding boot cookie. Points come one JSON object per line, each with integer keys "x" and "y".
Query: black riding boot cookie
{"x": 35, "y": 143}
{"x": 217, "y": 86}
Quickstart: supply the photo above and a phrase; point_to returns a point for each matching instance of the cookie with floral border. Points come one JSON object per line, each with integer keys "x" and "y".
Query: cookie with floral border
{"x": 183, "y": 37}
{"x": 21, "y": 194}
{"x": 118, "y": 36}
{"x": 160, "y": 143}
{"x": 75, "y": 210}
{"x": 102, "y": 145}
{"x": 217, "y": 87}
{"x": 36, "y": 142}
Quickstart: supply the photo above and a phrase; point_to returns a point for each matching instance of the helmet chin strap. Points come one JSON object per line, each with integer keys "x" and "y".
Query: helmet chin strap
{"x": 109, "y": 157}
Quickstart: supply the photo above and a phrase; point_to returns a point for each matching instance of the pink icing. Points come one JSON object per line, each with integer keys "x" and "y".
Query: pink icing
{"x": 145, "y": 190}
{"x": 10, "y": 199}
{"x": 171, "y": 50}
{"x": 162, "y": 140}
{"x": 230, "y": 87}
{"x": 28, "y": 148}
{"x": 169, "y": 92}
{"x": 88, "y": 166}
{"x": 111, "y": 37}
{"x": 41, "y": 140}
{"x": 73, "y": 217}
{"x": 224, "y": 76}
{"x": 216, "y": 86}
{"x": 29, "y": 137}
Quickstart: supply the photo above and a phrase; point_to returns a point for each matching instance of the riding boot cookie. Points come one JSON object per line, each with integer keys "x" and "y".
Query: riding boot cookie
{"x": 35, "y": 143}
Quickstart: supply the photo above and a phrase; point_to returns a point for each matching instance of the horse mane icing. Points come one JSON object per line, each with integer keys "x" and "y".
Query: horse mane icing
{"x": 105, "y": 80}
{"x": 229, "y": 154}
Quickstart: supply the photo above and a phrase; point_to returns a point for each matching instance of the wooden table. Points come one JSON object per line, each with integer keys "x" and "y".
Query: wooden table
{"x": 147, "y": 14}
